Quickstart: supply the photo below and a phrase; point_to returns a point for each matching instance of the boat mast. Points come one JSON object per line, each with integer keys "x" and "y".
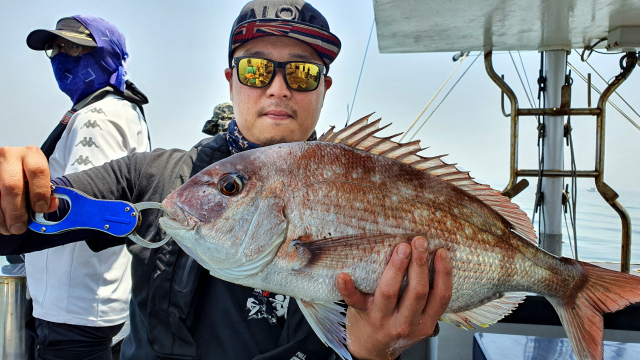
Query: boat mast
{"x": 555, "y": 68}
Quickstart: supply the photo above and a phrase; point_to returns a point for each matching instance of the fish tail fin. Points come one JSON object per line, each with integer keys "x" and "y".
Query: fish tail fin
{"x": 605, "y": 291}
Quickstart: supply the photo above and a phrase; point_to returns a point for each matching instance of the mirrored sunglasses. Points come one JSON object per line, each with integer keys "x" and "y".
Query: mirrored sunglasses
{"x": 258, "y": 72}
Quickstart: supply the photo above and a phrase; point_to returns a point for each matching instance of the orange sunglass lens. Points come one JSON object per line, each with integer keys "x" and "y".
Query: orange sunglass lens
{"x": 303, "y": 76}
{"x": 255, "y": 72}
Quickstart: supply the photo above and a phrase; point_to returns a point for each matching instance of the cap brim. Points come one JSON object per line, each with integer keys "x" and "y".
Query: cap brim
{"x": 39, "y": 38}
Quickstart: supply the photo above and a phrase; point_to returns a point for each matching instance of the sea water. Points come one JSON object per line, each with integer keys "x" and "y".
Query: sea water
{"x": 598, "y": 226}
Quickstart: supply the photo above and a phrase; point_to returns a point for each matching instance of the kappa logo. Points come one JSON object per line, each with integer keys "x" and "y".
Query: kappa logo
{"x": 96, "y": 111}
{"x": 299, "y": 356}
{"x": 81, "y": 160}
{"x": 87, "y": 143}
{"x": 91, "y": 125}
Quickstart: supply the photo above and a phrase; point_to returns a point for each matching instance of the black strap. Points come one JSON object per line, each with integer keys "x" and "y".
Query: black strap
{"x": 131, "y": 94}
{"x": 49, "y": 145}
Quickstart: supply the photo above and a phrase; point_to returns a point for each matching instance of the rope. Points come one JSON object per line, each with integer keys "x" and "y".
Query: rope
{"x": 433, "y": 98}
{"x": 445, "y": 96}
{"x": 590, "y": 49}
{"x": 360, "y": 76}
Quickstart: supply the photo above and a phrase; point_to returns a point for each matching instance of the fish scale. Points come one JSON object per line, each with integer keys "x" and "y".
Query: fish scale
{"x": 301, "y": 213}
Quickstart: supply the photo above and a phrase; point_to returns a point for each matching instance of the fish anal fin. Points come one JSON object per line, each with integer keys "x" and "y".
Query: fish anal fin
{"x": 360, "y": 135}
{"x": 327, "y": 320}
{"x": 487, "y": 314}
{"x": 337, "y": 254}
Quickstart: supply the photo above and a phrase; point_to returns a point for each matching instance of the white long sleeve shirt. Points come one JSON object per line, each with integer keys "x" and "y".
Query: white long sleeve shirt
{"x": 71, "y": 284}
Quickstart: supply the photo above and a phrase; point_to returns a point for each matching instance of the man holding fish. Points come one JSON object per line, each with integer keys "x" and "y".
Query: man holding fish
{"x": 177, "y": 309}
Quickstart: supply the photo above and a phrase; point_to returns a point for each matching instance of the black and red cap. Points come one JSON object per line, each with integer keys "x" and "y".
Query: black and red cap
{"x": 68, "y": 28}
{"x": 293, "y": 18}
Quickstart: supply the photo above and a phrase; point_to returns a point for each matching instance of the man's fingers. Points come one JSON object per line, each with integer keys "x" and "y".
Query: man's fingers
{"x": 442, "y": 286}
{"x": 352, "y": 296}
{"x": 3, "y": 225}
{"x": 36, "y": 170}
{"x": 53, "y": 205}
{"x": 388, "y": 290}
{"x": 13, "y": 204}
{"x": 414, "y": 298}
{"x": 12, "y": 191}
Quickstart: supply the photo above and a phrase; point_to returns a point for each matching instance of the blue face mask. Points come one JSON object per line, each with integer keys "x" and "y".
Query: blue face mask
{"x": 80, "y": 76}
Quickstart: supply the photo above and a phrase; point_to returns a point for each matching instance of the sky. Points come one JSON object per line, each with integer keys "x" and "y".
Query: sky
{"x": 178, "y": 53}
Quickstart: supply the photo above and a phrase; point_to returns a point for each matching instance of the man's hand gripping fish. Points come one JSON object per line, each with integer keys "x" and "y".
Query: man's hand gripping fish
{"x": 290, "y": 217}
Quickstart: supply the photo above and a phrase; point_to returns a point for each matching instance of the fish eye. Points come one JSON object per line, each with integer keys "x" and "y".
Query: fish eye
{"x": 230, "y": 185}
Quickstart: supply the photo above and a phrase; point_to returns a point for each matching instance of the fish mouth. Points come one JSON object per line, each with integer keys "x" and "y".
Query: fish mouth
{"x": 168, "y": 224}
{"x": 177, "y": 217}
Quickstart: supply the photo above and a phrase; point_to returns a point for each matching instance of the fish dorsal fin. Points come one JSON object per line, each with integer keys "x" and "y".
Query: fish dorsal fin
{"x": 487, "y": 314}
{"x": 360, "y": 135}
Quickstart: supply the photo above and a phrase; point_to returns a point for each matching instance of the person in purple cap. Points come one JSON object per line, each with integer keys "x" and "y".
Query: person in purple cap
{"x": 178, "y": 310}
{"x": 81, "y": 297}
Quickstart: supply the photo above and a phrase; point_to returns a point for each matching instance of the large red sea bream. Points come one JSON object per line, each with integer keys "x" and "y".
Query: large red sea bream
{"x": 290, "y": 217}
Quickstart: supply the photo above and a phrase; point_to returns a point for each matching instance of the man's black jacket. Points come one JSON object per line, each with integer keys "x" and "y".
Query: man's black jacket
{"x": 179, "y": 311}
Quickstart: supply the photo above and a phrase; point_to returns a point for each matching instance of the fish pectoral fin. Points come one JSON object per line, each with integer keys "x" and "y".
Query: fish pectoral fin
{"x": 337, "y": 253}
{"x": 328, "y": 320}
{"x": 487, "y": 314}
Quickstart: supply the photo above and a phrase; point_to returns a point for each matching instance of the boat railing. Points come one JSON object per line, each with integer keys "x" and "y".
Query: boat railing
{"x": 514, "y": 187}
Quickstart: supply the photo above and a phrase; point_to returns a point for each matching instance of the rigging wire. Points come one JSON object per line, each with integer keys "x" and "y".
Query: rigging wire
{"x": 433, "y": 98}
{"x": 521, "y": 82}
{"x": 566, "y": 223}
{"x": 445, "y": 96}
{"x": 590, "y": 49}
{"x": 615, "y": 92}
{"x": 525, "y": 75}
{"x": 633, "y": 122}
{"x": 373, "y": 22}
{"x": 539, "y": 201}
{"x": 520, "y": 77}
{"x": 573, "y": 204}
{"x": 608, "y": 53}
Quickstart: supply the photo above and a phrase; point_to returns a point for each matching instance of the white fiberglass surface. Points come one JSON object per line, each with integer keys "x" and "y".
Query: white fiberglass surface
{"x": 464, "y": 25}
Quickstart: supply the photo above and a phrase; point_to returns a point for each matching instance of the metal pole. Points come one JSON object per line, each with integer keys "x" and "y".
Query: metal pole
{"x": 555, "y": 70}
{"x": 506, "y": 90}
{"x": 13, "y": 303}
{"x": 608, "y": 193}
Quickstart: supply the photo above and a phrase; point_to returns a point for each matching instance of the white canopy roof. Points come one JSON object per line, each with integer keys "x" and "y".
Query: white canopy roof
{"x": 465, "y": 25}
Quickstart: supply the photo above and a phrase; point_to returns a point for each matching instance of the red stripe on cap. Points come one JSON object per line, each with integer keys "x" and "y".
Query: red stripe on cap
{"x": 315, "y": 32}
